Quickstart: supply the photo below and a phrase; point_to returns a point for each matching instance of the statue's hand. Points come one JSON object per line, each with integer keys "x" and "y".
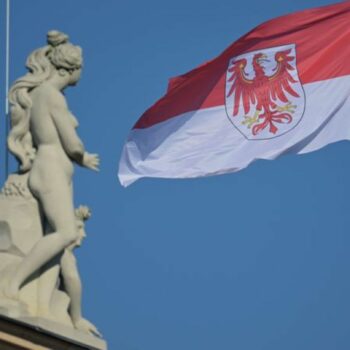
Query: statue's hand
{"x": 84, "y": 325}
{"x": 91, "y": 161}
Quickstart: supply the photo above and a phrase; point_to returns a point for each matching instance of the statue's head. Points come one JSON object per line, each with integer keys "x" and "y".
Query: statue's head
{"x": 82, "y": 214}
{"x": 59, "y": 59}
{"x": 64, "y": 56}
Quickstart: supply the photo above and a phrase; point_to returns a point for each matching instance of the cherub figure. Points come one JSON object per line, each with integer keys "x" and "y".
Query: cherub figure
{"x": 65, "y": 266}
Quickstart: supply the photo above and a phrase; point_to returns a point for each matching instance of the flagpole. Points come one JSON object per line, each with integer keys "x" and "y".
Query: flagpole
{"x": 7, "y": 79}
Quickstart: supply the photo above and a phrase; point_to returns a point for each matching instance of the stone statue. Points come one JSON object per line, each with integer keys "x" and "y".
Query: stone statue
{"x": 38, "y": 222}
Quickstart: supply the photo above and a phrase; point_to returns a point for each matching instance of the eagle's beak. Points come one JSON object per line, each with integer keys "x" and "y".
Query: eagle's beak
{"x": 263, "y": 58}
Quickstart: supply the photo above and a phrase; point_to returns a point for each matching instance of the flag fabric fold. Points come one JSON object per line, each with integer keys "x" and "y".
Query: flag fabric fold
{"x": 282, "y": 88}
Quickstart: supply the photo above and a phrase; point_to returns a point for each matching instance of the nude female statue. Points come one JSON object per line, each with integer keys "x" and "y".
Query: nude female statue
{"x": 44, "y": 140}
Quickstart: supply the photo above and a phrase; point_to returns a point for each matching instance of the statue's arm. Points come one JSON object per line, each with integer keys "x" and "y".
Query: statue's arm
{"x": 62, "y": 119}
{"x": 70, "y": 140}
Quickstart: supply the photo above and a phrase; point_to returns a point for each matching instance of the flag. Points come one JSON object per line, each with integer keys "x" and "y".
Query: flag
{"x": 282, "y": 88}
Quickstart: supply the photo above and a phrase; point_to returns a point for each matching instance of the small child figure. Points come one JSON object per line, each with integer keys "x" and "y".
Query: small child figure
{"x": 71, "y": 277}
{"x": 63, "y": 274}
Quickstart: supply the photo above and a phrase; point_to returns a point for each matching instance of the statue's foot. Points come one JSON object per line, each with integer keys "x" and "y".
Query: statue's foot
{"x": 86, "y": 326}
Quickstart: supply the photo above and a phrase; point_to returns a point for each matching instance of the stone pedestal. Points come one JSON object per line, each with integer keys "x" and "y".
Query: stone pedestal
{"x": 19, "y": 335}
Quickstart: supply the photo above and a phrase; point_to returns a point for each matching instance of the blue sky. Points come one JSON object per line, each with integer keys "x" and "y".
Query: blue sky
{"x": 256, "y": 260}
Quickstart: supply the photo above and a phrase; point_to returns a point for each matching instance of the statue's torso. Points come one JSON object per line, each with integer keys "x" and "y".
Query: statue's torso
{"x": 51, "y": 159}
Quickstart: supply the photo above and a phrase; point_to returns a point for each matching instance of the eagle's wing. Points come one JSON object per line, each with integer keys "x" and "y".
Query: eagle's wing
{"x": 281, "y": 81}
{"x": 242, "y": 87}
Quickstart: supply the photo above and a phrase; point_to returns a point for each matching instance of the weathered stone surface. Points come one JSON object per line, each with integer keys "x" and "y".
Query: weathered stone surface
{"x": 20, "y": 218}
{"x": 20, "y": 229}
{"x": 36, "y": 334}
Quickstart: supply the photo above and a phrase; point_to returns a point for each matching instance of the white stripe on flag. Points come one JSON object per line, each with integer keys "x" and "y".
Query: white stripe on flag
{"x": 204, "y": 142}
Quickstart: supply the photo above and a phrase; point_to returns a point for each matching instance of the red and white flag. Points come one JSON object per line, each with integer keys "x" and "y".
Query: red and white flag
{"x": 282, "y": 88}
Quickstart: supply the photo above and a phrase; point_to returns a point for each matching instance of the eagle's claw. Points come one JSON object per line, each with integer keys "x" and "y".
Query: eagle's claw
{"x": 249, "y": 121}
{"x": 289, "y": 107}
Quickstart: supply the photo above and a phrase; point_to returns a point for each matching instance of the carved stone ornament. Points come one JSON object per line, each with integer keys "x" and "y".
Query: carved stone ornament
{"x": 39, "y": 226}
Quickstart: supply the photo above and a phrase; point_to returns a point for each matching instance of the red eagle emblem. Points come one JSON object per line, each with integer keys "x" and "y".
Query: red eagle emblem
{"x": 272, "y": 88}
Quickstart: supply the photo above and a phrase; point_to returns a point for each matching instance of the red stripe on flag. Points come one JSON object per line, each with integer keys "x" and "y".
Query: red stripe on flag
{"x": 322, "y": 38}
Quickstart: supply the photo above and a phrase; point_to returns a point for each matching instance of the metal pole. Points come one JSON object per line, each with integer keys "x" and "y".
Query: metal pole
{"x": 7, "y": 79}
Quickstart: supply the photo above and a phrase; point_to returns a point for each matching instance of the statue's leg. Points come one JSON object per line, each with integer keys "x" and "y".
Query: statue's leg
{"x": 58, "y": 209}
{"x": 46, "y": 285}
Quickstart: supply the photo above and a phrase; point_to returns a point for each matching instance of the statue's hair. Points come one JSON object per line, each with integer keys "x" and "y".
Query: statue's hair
{"x": 58, "y": 54}
{"x": 83, "y": 213}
